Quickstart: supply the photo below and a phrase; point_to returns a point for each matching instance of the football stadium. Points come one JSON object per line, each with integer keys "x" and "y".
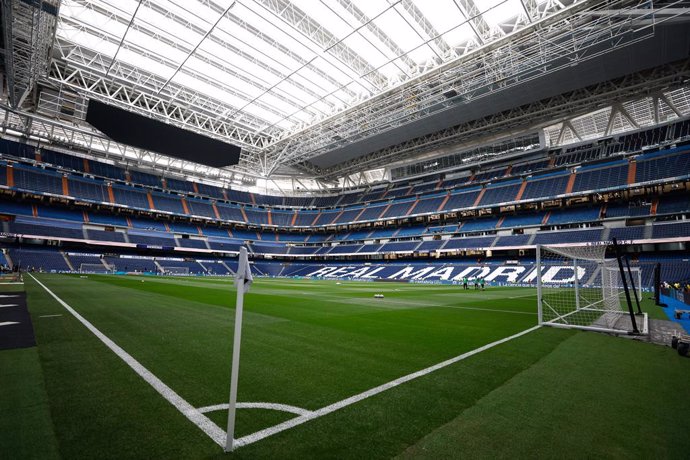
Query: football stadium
{"x": 344, "y": 229}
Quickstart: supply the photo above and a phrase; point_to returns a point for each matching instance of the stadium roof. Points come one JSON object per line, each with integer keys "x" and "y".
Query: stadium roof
{"x": 306, "y": 86}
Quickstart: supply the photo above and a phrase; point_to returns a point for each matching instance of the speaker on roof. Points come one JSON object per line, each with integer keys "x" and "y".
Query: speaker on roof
{"x": 146, "y": 133}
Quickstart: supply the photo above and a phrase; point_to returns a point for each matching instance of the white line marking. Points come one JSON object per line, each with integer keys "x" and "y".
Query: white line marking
{"x": 8, "y": 323}
{"x": 489, "y": 309}
{"x": 6, "y": 296}
{"x": 258, "y": 405}
{"x": 11, "y": 282}
{"x": 259, "y": 435}
{"x": 48, "y": 316}
{"x": 8, "y": 305}
{"x": 196, "y": 417}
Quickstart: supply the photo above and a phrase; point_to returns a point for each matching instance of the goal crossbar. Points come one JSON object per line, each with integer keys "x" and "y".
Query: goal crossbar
{"x": 579, "y": 287}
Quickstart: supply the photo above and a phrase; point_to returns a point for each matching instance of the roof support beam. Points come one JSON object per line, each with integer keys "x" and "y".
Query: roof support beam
{"x": 520, "y": 119}
{"x": 28, "y": 33}
{"x": 426, "y": 26}
{"x": 475, "y": 19}
{"x": 317, "y": 33}
{"x": 377, "y": 32}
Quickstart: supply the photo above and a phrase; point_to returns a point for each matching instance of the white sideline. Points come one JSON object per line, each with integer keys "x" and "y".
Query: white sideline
{"x": 259, "y": 435}
{"x": 257, "y": 405}
{"x": 196, "y": 417}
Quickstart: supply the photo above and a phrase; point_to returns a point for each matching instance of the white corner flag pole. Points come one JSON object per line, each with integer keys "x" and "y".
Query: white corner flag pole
{"x": 243, "y": 279}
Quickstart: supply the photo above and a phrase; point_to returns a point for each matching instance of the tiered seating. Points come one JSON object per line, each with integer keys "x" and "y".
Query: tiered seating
{"x": 132, "y": 264}
{"x": 105, "y": 170}
{"x": 179, "y": 185}
{"x": 501, "y": 193}
{"x": 627, "y": 210}
{"x": 128, "y": 196}
{"x": 304, "y": 250}
{"x": 224, "y": 244}
{"x": 671, "y": 229}
{"x": 663, "y": 164}
{"x": 29, "y": 226}
{"x": 567, "y": 216}
{"x": 522, "y": 220}
{"x": 153, "y": 239}
{"x": 673, "y": 205}
{"x": 601, "y": 176}
{"x": 193, "y": 243}
{"x": 192, "y": 266}
{"x": 100, "y": 235}
{"x": 573, "y": 236}
{"x": 39, "y": 259}
{"x": 37, "y": 180}
{"x": 77, "y": 259}
{"x": 345, "y": 249}
{"x": 108, "y": 219}
{"x": 398, "y": 209}
{"x": 282, "y": 218}
{"x": 399, "y": 246}
{"x": 627, "y": 233}
{"x": 428, "y": 246}
{"x": 167, "y": 203}
{"x": 269, "y": 248}
{"x": 138, "y": 177}
{"x": 200, "y": 208}
{"x": 479, "y": 225}
{"x": 230, "y": 212}
{"x": 513, "y": 240}
{"x": 84, "y": 188}
{"x": 372, "y": 212}
{"x": 469, "y": 243}
{"x": 462, "y": 199}
{"x": 214, "y": 267}
{"x": 546, "y": 185}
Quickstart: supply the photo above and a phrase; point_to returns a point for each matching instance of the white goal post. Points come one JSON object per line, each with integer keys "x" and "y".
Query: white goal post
{"x": 94, "y": 269}
{"x": 578, "y": 287}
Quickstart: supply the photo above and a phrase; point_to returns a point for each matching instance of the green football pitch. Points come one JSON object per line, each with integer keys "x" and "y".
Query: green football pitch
{"x": 328, "y": 371}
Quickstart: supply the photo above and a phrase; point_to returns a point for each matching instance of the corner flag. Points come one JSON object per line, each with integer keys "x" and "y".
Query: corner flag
{"x": 243, "y": 280}
{"x": 243, "y": 276}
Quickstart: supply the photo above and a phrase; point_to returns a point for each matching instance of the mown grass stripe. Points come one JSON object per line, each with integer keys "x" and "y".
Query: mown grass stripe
{"x": 252, "y": 438}
{"x": 192, "y": 414}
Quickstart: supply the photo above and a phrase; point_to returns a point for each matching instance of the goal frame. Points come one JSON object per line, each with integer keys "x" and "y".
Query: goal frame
{"x": 100, "y": 269}
{"x": 171, "y": 271}
{"x": 599, "y": 306}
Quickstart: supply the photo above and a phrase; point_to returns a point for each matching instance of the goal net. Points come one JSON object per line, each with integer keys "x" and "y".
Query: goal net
{"x": 578, "y": 287}
{"x": 94, "y": 268}
{"x": 176, "y": 270}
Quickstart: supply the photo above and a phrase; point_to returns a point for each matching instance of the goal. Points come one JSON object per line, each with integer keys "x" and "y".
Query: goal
{"x": 578, "y": 287}
{"x": 94, "y": 269}
{"x": 179, "y": 271}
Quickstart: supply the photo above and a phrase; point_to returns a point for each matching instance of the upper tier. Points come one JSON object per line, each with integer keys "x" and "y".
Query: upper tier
{"x": 666, "y": 165}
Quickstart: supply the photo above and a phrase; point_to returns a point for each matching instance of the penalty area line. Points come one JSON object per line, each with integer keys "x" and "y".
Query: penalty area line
{"x": 259, "y": 435}
{"x": 193, "y": 415}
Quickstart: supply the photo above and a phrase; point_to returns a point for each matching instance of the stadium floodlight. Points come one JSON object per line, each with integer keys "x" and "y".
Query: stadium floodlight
{"x": 179, "y": 271}
{"x": 243, "y": 280}
{"x": 94, "y": 269}
{"x": 578, "y": 287}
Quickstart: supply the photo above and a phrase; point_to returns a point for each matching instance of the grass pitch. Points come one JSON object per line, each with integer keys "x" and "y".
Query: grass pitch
{"x": 313, "y": 343}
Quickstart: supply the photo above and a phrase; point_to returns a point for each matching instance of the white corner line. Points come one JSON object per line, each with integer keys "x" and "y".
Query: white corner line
{"x": 8, "y": 323}
{"x": 258, "y": 405}
{"x": 192, "y": 414}
{"x": 259, "y": 435}
{"x": 4, "y": 296}
{"x": 48, "y": 316}
{"x": 7, "y": 305}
